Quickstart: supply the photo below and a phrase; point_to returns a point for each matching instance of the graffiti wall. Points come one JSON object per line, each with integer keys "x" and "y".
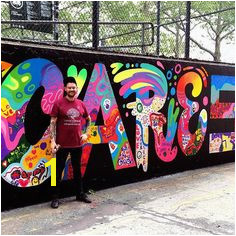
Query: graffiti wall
{"x": 148, "y": 114}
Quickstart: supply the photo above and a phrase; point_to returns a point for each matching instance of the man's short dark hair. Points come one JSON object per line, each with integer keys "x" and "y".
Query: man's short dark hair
{"x": 69, "y": 80}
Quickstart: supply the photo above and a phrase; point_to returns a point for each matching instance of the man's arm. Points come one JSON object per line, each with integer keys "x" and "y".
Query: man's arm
{"x": 53, "y": 123}
{"x": 88, "y": 123}
{"x": 84, "y": 137}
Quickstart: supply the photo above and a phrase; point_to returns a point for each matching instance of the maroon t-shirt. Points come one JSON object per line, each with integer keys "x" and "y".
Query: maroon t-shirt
{"x": 69, "y": 121}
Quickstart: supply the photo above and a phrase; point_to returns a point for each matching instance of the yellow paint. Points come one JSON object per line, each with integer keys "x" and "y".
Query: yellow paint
{"x": 5, "y": 108}
{"x": 93, "y": 135}
{"x": 140, "y": 85}
{"x": 129, "y": 73}
{"x": 30, "y": 161}
{"x": 199, "y": 135}
{"x": 145, "y": 136}
{"x": 25, "y": 78}
{"x": 227, "y": 145}
{"x": 157, "y": 104}
{"x": 197, "y": 81}
{"x": 204, "y": 115}
{"x": 52, "y": 163}
{"x": 131, "y": 105}
{"x": 14, "y": 85}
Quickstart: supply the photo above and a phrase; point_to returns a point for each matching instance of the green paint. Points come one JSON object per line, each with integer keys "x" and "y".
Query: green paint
{"x": 25, "y": 66}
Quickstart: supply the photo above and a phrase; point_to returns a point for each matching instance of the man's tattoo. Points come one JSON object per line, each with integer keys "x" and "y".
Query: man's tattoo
{"x": 53, "y": 129}
{"x": 88, "y": 123}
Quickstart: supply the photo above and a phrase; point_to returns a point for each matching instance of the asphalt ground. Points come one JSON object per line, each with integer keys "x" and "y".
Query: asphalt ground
{"x": 194, "y": 202}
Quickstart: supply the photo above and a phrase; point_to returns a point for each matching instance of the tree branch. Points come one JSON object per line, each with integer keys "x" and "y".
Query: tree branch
{"x": 195, "y": 25}
{"x": 165, "y": 27}
{"x": 211, "y": 36}
{"x": 207, "y": 21}
{"x": 227, "y": 34}
{"x": 201, "y": 47}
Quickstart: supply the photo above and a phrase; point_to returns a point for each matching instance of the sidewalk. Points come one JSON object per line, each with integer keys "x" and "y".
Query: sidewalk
{"x": 192, "y": 202}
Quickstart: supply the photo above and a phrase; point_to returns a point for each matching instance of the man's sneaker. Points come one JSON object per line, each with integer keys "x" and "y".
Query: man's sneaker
{"x": 55, "y": 203}
{"x": 83, "y": 198}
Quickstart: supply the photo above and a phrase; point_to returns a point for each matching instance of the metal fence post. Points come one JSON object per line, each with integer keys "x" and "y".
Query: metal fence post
{"x": 158, "y": 27}
{"x": 55, "y": 18}
{"x": 95, "y": 24}
{"x": 68, "y": 34}
{"x": 187, "y": 29}
{"x": 142, "y": 38}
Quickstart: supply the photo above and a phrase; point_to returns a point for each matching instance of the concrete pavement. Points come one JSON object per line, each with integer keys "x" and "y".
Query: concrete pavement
{"x": 192, "y": 202}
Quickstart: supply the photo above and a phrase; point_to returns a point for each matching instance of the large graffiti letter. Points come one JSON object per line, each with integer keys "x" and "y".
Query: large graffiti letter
{"x": 222, "y": 89}
{"x": 146, "y": 109}
{"x": 23, "y": 163}
{"x": 99, "y": 94}
{"x": 191, "y": 143}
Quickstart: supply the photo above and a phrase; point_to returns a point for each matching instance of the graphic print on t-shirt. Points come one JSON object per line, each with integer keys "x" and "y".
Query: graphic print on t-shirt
{"x": 73, "y": 113}
{"x": 73, "y": 116}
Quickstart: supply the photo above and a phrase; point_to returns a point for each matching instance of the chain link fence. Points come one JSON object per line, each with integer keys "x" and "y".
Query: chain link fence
{"x": 143, "y": 27}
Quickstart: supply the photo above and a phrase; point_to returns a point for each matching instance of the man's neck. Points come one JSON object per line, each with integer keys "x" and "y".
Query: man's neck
{"x": 71, "y": 99}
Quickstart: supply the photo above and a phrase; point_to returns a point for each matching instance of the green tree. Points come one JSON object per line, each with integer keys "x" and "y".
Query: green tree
{"x": 76, "y": 12}
{"x": 218, "y": 27}
{"x": 172, "y": 37}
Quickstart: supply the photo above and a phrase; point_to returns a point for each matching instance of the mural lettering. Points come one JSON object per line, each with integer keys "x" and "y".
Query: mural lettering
{"x": 222, "y": 142}
{"x": 170, "y": 101}
{"x": 23, "y": 163}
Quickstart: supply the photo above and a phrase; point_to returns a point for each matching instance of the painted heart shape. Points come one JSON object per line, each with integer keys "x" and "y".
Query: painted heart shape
{"x": 116, "y": 66}
{"x": 23, "y": 183}
{"x": 79, "y": 78}
{"x": 33, "y": 151}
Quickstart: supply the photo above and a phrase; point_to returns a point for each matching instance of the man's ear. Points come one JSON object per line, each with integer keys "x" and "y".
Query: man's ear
{"x": 64, "y": 94}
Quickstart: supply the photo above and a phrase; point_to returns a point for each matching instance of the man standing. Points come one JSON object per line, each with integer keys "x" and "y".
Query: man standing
{"x": 66, "y": 137}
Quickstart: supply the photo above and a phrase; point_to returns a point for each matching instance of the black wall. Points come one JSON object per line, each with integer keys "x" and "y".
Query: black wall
{"x": 182, "y": 117}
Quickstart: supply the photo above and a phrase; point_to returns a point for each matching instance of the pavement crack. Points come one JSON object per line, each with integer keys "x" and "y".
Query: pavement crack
{"x": 167, "y": 217}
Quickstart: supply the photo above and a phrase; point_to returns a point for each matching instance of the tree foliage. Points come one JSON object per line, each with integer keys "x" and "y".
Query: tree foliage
{"x": 208, "y": 31}
{"x": 219, "y": 27}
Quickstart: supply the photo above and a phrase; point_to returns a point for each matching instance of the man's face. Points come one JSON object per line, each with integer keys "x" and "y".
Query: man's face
{"x": 71, "y": 89}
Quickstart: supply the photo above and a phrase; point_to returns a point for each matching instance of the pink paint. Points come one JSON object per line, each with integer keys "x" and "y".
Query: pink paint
{"x": 205, "y": 101}
{"x": 162, "y": 146}
{"x": 230, "y": 112}
{"x": 4, "y": 129}
{"x": 178, "y": 68}
{"x": 160, "y": 65}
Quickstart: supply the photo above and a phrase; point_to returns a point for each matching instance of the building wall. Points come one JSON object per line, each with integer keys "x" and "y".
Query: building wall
{"x": 150, "y": 116}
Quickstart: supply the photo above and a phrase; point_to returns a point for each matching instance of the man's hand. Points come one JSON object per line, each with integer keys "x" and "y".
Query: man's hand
{"x": 84, "y": 137}
{"x": 54, "y": 147}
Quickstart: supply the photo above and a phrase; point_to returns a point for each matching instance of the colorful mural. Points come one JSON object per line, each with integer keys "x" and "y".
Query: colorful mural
{"x": 221, "y": 110}
{"x": 23, "y": 163}
{"x": 197, "y": 78}
{"x": 222, "y": 142}
{"x": 141, "y": 79}
{"x": 147, "y": 109}
{"x": 99, "y": 95}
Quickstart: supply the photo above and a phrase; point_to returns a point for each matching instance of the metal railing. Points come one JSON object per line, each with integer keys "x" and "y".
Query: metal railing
{"x": 106, "y": 26}
{"x": 144, "y": 26}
